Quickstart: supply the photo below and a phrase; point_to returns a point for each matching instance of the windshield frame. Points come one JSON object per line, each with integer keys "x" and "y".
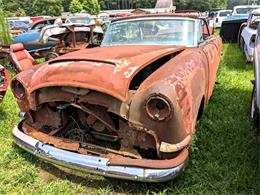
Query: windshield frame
{"x": 196, "y": 21}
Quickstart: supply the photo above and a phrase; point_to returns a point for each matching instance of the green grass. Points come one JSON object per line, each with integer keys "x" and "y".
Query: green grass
{"x": 224, "y": 156}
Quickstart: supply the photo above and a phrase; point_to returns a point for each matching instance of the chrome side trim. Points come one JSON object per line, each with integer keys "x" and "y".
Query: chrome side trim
{"x": 92, "y": 164}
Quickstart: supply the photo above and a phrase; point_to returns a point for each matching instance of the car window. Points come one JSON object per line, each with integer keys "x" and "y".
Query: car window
{"x": 245, "y": 10}
{"x": 205, "y": 30}
{"x": 151, "y": 32}
{"x": 200, "y": 32}
{"x": 223, "y": 14}
{"x": 40, "y": 25}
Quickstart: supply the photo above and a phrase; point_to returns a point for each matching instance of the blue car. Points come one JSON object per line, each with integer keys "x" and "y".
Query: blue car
{"x": 31, "y": 38}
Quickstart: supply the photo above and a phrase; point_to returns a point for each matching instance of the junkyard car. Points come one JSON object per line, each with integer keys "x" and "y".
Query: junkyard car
{"x": 248, "y": 34}
{"x": 33, "y": 39}
{"x": 255, "y": 100}
{"x": 220, "y": 16}
{"x": 127, "y": 109}
{"x": 231, "y": 27}
{"x": 4, "y": 81}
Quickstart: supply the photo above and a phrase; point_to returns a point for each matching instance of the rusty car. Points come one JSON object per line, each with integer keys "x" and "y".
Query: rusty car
{"x": 127, "y": 109}
{"x": 4, "y": 81}
{"x": 43, "y": 39}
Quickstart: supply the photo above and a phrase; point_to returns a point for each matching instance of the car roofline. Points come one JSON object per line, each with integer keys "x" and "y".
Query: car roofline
{"x": 173, "y": 15}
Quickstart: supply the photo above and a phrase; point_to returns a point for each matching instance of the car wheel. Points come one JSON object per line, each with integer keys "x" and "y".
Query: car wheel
{"x": 51, "y": 56}
{"x": 254, "y": 110}
{"x": 241, "y": 42}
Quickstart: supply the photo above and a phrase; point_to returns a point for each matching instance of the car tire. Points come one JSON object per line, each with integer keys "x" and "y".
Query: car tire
{"x": 254, "y": 110}
{"x": 241, "y": 42}
{"x": 51, "y": 56}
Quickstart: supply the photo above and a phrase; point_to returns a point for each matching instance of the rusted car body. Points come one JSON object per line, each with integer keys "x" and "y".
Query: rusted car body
{"x": 127, "y": 109}
{"x": 4, "y": 81}
{"x": 4, "y": 52}
{"x": 67, "y": 38}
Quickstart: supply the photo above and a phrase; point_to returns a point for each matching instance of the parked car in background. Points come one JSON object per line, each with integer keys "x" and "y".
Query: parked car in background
{"x": 31, "y": 38}
{"x": 220, "y": 16}
{"x": 255, "y": 100}
{"x": 231, "y": 28}
{"x": 18, "y": 25}
{"x": 36, "y": 43}
{"x": 127, "y": 109}
{"x": 248, "y": 34}
{"x": 243, "y": 11}
{"x": 4, "y": 81}
{"x": 79, "y": 20}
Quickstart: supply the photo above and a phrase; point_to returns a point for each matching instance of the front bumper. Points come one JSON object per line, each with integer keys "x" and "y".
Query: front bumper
{"x": 93, "y": 164}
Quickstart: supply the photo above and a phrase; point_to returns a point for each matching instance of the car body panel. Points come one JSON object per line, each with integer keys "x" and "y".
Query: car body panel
{"x": 255, "y": 98}
{"x": 248, "y": 34}
{"x": 219, "y": 18}
{"x": 4, "y": 81}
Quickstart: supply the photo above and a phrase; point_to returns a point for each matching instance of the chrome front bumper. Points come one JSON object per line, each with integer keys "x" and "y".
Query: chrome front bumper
{"x": 92, "y": 164}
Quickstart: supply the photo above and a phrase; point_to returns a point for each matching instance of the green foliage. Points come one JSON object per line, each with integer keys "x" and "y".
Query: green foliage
{"x": 46, "y": 7}
{"x": 232, "y": 3}
{"x": 66, "y": 5}
{"x": 126, "y": 4}
{"x": 91, "y": 6}
{"x": 32, "y": 8}
{"x": 75, "y": 6}
{"x": 20, "y": 12}
{"x": 201, "y": 5}
{"x": 5, "y": 38}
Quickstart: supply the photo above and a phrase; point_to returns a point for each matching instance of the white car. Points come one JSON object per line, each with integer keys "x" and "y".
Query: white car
{"x": 244, "y": 10}
{"x": 220, "y": 16}
{"x": 248, "y": 34}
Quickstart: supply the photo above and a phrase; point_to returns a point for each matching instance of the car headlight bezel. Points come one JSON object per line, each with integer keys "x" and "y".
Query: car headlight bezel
{"x": 159, "y": 107}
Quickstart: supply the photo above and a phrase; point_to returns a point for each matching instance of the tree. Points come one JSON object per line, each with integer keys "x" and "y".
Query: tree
{"x": 66, "y": 5}
{"x": 5, "y": 37}
{"x": 91, "y": 6}
{"x": 46, "y": 7}
{"x": 75, "y": 6}
{"x": 20, "y": 12}
{"x": 201, "y": 5}
{"x": 33, "y": 8}
{"x": 126, "y": 4}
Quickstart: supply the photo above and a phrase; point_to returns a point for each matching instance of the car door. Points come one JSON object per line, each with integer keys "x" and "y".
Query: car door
{"x": 212, "y": 47}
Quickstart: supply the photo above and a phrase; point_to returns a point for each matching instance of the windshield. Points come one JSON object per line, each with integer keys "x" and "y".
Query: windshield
{"x": 80, "y": 20}
{"x": 245, "y": 10}
{"x": 151, "y": 32}
{"x": 226, "y": 13}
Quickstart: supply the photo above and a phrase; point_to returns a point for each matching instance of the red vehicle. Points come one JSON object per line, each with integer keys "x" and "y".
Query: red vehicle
{"x": 127, "y": 109}
{"x": 4, "y": 81}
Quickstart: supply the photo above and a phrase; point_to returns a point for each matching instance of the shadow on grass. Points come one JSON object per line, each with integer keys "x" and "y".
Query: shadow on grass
{"x": 234, "y": 58}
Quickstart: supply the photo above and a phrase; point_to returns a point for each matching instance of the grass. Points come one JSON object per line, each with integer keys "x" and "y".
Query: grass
{"x": 224, "y": 157}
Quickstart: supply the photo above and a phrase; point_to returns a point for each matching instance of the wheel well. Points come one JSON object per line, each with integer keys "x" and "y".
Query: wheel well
{"x": 201, "y": 108}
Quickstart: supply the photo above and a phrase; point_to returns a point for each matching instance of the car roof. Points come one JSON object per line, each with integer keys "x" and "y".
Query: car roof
{"x": 184, "y": 15}
{"x": 246, "y": 6}
{"x": 226, "y": 10}
{"x": 256, "y": 11}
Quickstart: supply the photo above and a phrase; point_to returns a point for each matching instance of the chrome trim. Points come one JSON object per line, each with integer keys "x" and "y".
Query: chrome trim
{"x": 92, "y": 164}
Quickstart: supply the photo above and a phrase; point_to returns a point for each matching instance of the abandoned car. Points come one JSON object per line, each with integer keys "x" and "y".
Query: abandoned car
{"x": 127, "y": 109}
{"x": 255, "y": 100}
{"x": 248, "y": 34}
{"x": 4, "y": 81}
{"x": 43, "y": 40}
